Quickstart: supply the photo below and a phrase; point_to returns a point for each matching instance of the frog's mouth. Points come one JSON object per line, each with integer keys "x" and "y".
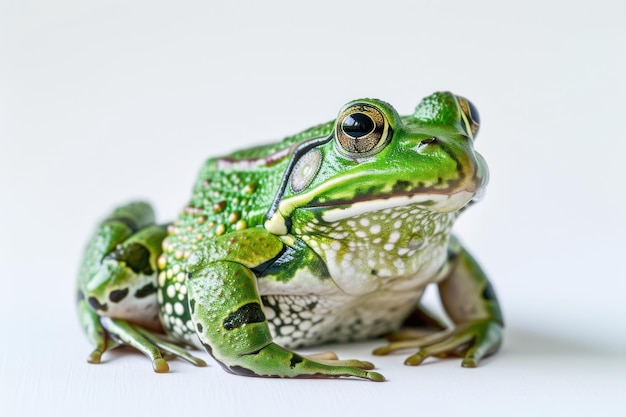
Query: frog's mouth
{"x": 334, "y": 211}
{"x": 437, "y": 202}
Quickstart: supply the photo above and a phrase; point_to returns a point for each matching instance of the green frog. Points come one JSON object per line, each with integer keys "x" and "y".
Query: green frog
{"x": 330, "y": 235}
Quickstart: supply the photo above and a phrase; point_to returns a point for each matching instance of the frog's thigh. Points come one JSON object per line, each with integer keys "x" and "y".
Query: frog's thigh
{"x": 227, "y": 313}
{"x": 124, "y": 284}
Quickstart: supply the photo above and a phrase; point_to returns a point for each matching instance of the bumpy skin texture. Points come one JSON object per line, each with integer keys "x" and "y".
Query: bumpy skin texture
{"x": 330, "y": 235}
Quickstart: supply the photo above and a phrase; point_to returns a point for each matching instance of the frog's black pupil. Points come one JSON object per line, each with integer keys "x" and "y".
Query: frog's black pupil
{"x": 357, "y": 125}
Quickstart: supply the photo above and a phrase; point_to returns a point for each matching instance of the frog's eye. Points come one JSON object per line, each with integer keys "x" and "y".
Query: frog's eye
{"x": 362, "y": 130}
{"x": 469, "y": 115}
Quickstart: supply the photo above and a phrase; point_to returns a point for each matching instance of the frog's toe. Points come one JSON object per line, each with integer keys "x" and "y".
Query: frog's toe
{"x": 354, "y": 363}
{"x": 412, "y": 343}
{"x": 469, "y": 362}
{"x": 160, "y": 366}
{"x": 331, "y": 358}
{"x": 485, "y": 344}
{"x": 106, "y": 344}
{"x": 409, "y": 334}
{"x": 95, "y": 357}
{"x": 170, "y": 350}
{"x": 323, "y": 356}
{"x": 442, "y": 348}
{"x": 375, "y": 376}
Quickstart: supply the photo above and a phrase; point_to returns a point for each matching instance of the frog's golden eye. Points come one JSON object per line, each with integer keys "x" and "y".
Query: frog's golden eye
{"x": 361, "y": 130}
{"x": 469, "y": 116}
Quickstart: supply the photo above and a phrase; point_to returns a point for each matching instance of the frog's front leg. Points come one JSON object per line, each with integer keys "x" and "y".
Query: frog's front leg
{"x": 227, "y": 313}
{"x": 471, "y": 304}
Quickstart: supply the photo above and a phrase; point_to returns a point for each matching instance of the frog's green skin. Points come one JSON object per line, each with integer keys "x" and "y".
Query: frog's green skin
{"x": 330, "y": 235}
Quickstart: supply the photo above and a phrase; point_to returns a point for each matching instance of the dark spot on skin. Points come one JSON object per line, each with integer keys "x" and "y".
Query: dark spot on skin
{"x": 374, "y": 272}
{"x": 260, "y": 269}
{"x": 295, "y": 359}
{"x": 315, "y": 375}
{"x": 146, "y": 290}
{"x": 249, "y": 313}
{"x": 209, "y": 350}
{"x": 192, "y": 305}
{"x": 199, "y": 327}
{"x": 311, "y": 305}
{"x": 240, "y": 370}
{"x": 95, "y": 304}
{"x": 129, "y": 222}
{"x": 402, "y": 185}
{"x": 489, "y": 293}
{"x": 135, "y": 256}
{"x": 118, "y": 295}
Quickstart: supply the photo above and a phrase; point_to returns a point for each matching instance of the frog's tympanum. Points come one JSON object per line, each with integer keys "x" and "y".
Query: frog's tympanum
{"x": 331, "y": 235}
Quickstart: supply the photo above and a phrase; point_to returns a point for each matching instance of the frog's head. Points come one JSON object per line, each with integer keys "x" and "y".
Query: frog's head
{"x": 373, "y": 159}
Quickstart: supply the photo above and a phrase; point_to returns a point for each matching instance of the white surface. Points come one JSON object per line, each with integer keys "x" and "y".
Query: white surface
{"x": 100, "y": 104}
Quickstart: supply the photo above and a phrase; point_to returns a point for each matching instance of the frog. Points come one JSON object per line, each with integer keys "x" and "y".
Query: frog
{"x": 330, "y": 235}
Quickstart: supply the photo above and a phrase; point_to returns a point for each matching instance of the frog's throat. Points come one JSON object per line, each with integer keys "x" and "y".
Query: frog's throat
{"x": 432, "y": 201}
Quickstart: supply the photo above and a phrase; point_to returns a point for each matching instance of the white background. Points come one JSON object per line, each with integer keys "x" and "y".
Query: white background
{"x": 104, "y": 102}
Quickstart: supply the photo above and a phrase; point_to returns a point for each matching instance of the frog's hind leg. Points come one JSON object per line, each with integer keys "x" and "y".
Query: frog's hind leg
{"x": 227, "y": 314}
{"x": 471, "y": 305}
{"x": 117, "y": 287}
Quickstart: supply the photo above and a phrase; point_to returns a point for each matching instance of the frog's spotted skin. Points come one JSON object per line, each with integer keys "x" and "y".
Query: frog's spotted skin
{"x": 330, "y": 235}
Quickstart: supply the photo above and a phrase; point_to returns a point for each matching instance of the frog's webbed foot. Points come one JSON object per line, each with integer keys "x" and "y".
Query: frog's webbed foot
{"x": 107, "y": 334}
{"x": 472, "y": 340}
{"x": 151, "y": 344}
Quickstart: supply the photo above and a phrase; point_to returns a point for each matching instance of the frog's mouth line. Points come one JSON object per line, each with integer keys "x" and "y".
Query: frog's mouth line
{"x": 441, "y": 203}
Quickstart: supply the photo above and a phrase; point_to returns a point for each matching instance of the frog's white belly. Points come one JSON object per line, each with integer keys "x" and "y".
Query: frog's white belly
{"x": 303, "y": 320}
{"x": 308, "y": 310}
